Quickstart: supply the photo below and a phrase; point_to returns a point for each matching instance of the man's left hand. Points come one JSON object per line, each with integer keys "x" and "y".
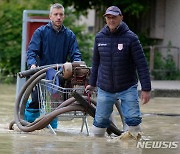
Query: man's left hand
{"x": 145, "y": 96}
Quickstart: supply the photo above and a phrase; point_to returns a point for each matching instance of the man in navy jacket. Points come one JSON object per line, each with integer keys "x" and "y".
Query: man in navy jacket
{"x": 50, "y": 44}
{"x": 117, "y": 60}
{"x": 53, "y": 42}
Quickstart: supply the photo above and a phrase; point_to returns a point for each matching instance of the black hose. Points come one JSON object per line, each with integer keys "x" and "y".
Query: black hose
{"x": 91, "y": 111}
{"x": 28, "y": 92}
{"x": 30, "y": 72}
{"x": 18, "y": 101}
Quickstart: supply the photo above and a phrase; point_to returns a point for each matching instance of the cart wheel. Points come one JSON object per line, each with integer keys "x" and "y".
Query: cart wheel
{"x": 67, "y": 70}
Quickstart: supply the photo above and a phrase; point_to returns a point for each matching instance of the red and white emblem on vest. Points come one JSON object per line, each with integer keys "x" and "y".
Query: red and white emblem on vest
{"x": 120, "y": 46}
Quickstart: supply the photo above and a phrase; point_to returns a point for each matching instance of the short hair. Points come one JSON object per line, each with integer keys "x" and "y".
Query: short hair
{"x": 56, "y": 6}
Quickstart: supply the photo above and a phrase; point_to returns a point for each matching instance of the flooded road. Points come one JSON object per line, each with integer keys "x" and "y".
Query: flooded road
{"x": 161, "y": 123}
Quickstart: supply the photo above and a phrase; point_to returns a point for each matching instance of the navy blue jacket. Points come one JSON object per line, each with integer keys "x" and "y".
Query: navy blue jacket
{"x": 52, "y": 47}
{"x": 117, "y": 59}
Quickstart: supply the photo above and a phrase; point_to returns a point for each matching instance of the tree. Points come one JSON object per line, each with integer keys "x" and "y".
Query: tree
{"x": 133, "y": 7}
{"x": 132, "y": 10}
{"x": 10, "y": 33}
{"x": 10, "y": 38}
{"x": 11, "y": 30}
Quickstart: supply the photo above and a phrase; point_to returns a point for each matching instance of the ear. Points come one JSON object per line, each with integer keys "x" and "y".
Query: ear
{"x": 49, "y": 16}
{"x": 121, "y": 17}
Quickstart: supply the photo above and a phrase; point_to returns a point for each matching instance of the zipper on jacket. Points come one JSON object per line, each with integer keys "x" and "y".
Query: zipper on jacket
{"x": 112, "y": 50}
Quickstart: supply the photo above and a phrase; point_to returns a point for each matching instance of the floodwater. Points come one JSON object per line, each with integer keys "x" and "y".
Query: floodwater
{"x": 161, "y": 123}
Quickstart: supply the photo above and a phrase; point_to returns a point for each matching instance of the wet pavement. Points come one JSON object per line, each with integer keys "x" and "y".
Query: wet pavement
{"x": 165, "y": 88}
{"x": 161, "y": 124}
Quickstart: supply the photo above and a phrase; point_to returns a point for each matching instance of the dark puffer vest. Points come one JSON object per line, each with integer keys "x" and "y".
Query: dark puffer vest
{"x": 118, "y": 61}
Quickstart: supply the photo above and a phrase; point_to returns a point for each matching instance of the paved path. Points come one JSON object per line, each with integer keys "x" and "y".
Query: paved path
{"x": 165, "y": 88}
{"x": 165, "y": 84}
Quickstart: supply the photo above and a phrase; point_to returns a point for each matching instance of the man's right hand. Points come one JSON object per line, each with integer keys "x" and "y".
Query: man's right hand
{"x": 89, "y": 89}
{"x": 33, "y": 66}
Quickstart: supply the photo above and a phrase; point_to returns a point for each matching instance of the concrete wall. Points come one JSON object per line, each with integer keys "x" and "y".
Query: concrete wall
{"x": 88, "y": 20}
{"x": 164, "y": 26}
{"x": 172, "y": 27}
{"x": 172, "y": 23}
{"x": 157, "y": 19}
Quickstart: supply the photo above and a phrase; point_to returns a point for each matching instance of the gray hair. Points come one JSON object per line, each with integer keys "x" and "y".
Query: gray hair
{"x": 56, "y": 6}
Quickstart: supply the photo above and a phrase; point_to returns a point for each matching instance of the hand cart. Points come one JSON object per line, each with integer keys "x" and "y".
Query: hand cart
{"x": 51, "y": 95}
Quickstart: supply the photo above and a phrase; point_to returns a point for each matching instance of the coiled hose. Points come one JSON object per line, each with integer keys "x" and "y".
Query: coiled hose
{"x": 76, "y": 103}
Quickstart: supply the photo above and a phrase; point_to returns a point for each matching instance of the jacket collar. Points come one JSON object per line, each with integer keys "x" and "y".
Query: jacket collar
{"x": 61, "y": 29}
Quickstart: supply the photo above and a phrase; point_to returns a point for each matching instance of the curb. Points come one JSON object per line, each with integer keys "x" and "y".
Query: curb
{"x": 166, "y": 93}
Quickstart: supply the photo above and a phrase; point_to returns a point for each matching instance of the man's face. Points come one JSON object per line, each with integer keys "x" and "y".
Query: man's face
{"x": 113, "y": 21}
{"x": 57, "y": 17}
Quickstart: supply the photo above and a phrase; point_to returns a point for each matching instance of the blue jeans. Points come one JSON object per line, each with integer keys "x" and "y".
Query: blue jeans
{"x": 129, "y": 106}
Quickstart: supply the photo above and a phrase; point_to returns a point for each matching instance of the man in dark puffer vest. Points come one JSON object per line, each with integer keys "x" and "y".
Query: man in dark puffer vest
{"x": 118, "y": 62}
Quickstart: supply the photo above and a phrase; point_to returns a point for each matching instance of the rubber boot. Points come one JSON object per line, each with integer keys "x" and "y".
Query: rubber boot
{"x": 30, "y": 115}
{"x": 134, "y": 132}
{"x": 125, "y": 127}
{"x": 54, "y": 123}
{"x": 98, "y": 132}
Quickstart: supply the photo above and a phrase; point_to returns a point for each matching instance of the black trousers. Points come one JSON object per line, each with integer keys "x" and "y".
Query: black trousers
{"x": 35, "y": 102}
